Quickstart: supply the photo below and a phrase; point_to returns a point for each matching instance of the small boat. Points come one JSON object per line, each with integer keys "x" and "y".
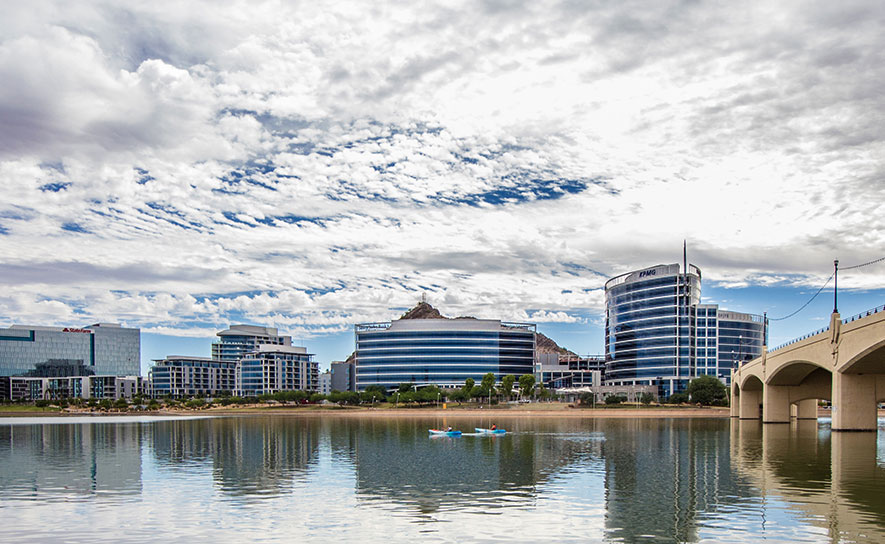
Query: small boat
{"x": 490, "y": 431}
{"x": 439, "y": 432}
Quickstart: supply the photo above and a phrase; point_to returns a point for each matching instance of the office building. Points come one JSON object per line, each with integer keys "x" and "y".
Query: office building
{"x": 183, "y": 376}
{"x": 556, "y": 370}
{"x": 32, "y": 388}
{"x": 99, "y": 349}
{"x": 274, "y": 368}
{"x": 343, "y": 375}
{"x": 234, "y": 343}
{"x": 325, "y": 382}
{"x": 658, "y": 333}
{"x": 442, "y": 352}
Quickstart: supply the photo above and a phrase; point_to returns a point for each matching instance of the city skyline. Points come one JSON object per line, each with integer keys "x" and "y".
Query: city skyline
{"x": 181, "y": 168}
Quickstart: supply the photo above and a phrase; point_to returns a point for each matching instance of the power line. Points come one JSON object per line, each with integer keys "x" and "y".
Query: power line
{"x": 879, "y": 260}
{"x": 807, "y": 303}
{"x": 824, "y": 286}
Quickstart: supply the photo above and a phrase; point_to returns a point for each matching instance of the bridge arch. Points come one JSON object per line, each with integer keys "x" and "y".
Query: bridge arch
{"x": 868, "y": 361}
{"x": 748, "y": 397}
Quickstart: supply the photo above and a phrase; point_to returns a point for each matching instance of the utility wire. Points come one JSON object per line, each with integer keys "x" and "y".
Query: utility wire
{"x": 824, "y": 286}
{"x": 807, "y": 303}
{"x": 879, "y": 260}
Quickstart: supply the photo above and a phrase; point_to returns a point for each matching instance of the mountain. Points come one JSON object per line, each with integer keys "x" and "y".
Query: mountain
{"x": 423, "y": 310}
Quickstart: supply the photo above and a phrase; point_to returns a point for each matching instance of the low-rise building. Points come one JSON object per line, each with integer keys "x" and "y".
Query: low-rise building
{"x": 183, "y": 376}
{"x": 274, "y": 368}
{"x": 325, "y": 383}
{"x": 632, "y": 393}
{"x": 556, "y": 371}
{"x": 32, "y": 388}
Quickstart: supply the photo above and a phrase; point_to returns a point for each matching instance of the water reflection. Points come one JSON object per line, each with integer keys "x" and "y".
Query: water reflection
{"x": 663, "y": 475}
{"x": 67, "y": 462}
{"x": 321, "y": 478}
{"x": 251, "y": 458}
{"x": 396, "y": 461}
{"x": 831, "y": 479}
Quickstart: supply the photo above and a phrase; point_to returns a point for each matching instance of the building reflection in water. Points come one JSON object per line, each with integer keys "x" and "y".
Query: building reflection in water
{"x": 663, "y": 474}
{"x": 832, "y": 479}
{"x": 251, "y": 457}
{"x": 70, "y": 461}
{"x": 397, "y": 462}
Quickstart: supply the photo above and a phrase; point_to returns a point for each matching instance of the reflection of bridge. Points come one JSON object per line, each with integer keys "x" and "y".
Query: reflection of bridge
{"x": 844, "y": 363}
{"x": 833, "y": 479}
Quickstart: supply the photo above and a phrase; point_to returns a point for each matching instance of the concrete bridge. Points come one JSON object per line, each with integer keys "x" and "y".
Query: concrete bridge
{"x": 844, "y": 363}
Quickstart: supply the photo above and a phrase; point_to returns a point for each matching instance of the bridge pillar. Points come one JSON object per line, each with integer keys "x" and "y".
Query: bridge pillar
{"x": 854, "y": 402}
{"x": 775, "y": 404}
{"x": 806, "y": 409}
{"x": 749, "y": 404}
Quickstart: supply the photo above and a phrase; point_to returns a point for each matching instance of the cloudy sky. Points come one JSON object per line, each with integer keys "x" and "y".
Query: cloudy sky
{"x": 308, "y": 165}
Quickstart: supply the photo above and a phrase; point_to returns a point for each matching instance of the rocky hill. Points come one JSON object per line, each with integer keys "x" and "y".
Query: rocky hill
{"x": 423, "y": 310}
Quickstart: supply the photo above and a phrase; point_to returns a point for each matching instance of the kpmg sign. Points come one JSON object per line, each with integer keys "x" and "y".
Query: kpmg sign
{"x": 647, "y": 273}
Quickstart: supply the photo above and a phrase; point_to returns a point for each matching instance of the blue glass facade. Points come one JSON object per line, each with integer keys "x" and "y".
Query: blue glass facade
{"x": 443, "y": 352}
{"x": 649, "y": 327}
{"x": 102, "y": 348}
{"x": 285, "y": 369}
{"x": 657, "y": 332}
{"x": 234, "y": 343}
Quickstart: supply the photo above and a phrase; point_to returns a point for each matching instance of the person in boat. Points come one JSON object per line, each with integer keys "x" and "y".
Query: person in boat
{"x": 494, "y": 427}
{"x": 449, "y": 429}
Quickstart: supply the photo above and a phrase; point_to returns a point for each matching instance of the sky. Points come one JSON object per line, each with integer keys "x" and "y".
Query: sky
{"x": 181, "y": 166}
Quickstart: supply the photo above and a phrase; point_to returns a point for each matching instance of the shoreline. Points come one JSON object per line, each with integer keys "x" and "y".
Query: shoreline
{"x": 538, "y": 411}
{"x": 553, "y": 411}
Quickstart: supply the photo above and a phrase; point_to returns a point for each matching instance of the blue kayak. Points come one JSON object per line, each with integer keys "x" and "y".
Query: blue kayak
{"x": 438, "y": 432}
{"x": 490, "y": 431}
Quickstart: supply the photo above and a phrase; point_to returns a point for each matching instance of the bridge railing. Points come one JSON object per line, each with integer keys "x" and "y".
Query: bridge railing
{"x": 872, "y": 311}
{"x": 801, "y": 338}
{"x": 847, "y": 320}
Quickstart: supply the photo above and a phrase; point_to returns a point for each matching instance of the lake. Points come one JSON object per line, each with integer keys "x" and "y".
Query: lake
{"x": 376, "y": 479}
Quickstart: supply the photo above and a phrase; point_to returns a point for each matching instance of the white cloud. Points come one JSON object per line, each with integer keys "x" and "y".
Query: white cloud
{"x": 319, "y": 165}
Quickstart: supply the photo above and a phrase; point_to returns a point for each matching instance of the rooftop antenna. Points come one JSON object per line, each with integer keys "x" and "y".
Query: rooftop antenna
{"x": 424, "y": 297}
{"x": 684, "y": 257}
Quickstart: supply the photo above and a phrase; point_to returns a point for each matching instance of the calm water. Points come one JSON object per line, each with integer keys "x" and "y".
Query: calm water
{"x": 293, "y": 479}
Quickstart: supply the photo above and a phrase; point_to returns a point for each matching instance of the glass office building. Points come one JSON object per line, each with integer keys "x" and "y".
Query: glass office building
{"x": 234, "y": 343}
{"x": 99, "y": 349}
{"x": 657, "y": 332}
{"x": 182, "y": 376}
{"x": 277, "y": 368}
{"x": 442, "y": 352}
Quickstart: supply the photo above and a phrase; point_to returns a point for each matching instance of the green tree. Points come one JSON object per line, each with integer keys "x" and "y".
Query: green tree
{"x": 677, "y": 398}
{"x": 527, "y": 384}
{"x": 379, "y": 391}
{"x": 153, "y": 405}
{"x": 406, "y": 387}
{"x": 615, "y": 399}
{"x": 487, "y": 384}
{"x": 646, "y": 398}
{"x": 706, "y": 390}
{"x": 507, "y": 385}
{"x": 105, "y": 404}
{"x": 121, "y": 404}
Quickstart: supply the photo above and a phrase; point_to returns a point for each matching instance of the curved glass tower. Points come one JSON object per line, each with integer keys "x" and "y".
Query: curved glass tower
{"x": 657, "y": 332}
{"x": 443, "y": 352}
{"x": 650, "y": 327}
